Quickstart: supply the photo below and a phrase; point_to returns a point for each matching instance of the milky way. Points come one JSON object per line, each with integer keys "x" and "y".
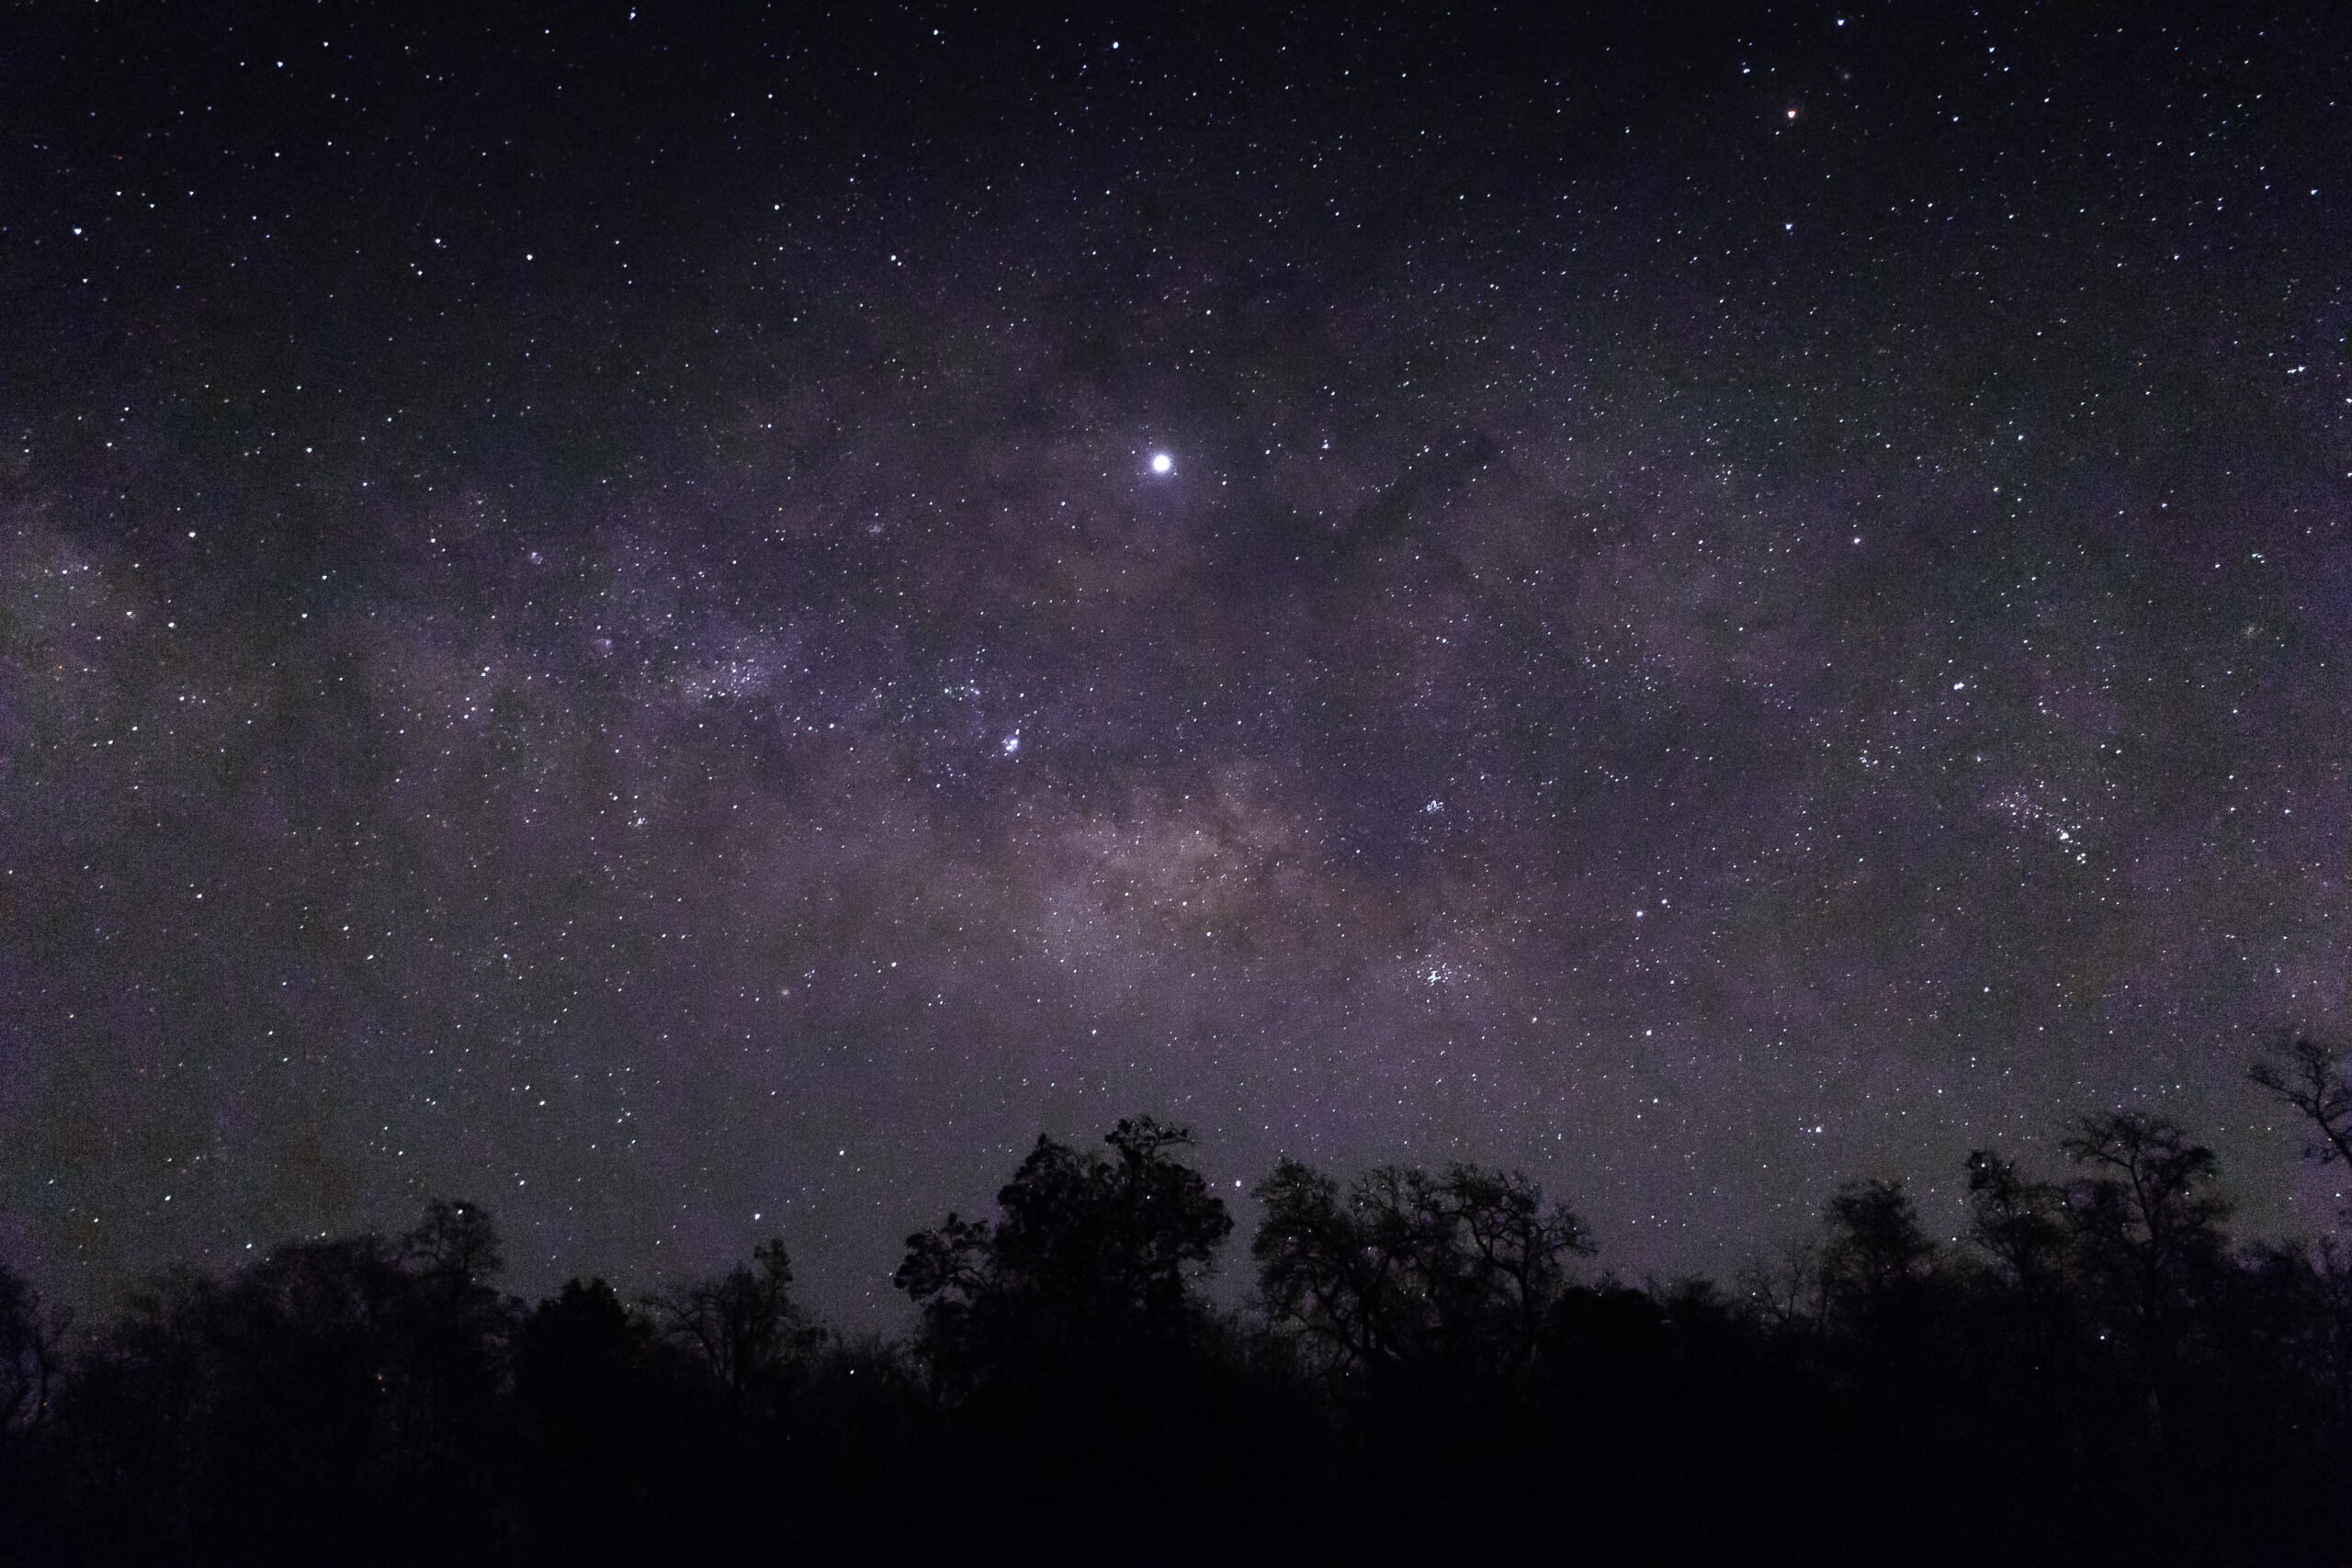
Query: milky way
{"x": 594, "y": 620}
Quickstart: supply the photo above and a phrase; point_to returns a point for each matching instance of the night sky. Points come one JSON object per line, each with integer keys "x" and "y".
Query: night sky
{"x": 591, "y": 617}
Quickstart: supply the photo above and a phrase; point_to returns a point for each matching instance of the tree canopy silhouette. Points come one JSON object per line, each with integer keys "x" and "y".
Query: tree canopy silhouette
{"x": 741, "y": 1327}
{"x": 2096, "y": 1365}
{"x": 32, "y": 1353}
{"x": 1088, "y": 1251}
{"x": 2312, "y": 1078}
{"x": 1877, "y": 1252}
{"x": 1414, "y": 1271}
{"x": 2018, "y": 1222}
{"x": 2147, "y": 1222}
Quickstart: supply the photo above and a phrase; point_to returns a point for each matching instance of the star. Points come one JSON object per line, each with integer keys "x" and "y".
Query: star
{"x": 1162, "y": 463}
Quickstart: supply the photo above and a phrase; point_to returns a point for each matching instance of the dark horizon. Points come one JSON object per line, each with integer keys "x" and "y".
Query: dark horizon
{"x": 1425, "y": 1374}
{"x": 1223, "y": 1278}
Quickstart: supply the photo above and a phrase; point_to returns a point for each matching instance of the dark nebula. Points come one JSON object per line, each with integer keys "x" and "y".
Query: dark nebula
{"x": 588, "y": 619}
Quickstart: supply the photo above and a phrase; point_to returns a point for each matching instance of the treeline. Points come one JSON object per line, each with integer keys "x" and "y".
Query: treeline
{"x": 1430, "y": 1372}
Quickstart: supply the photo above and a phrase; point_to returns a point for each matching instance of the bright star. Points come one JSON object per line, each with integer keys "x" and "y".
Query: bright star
{"x": 1161, "y": 462}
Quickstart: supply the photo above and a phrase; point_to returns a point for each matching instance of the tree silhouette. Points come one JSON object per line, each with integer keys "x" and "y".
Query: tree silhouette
{"x": 447, "y": 1357}
{"x": 1074, "y": 1362}
{"x": 455, "y": 1248}
{"x": 1087, "y": 1251}
{"x": 587, "y": 1420}
{"x": 31, "y": 1355}
{"x": 1412, "y": 1270}
{"x": 2310, "y": 1076}
{"x": 2026, "y": 1318}
{"x": 1784, "y": 1289}
{"x": 323, "y": 1391}
{"x": 741, "y": 1327}
{"x": 2017, "y": 1224}
{"x": 2151, "y": 1203}
{"x": 32, "y": 1363}
{"x": 579, "y": 1350}
{"x": 311, "y": 1381}
{"x": 1877, "y": 1251}
{"x": 2147, "y": 1224}
{"x": 1886, "y": 1306}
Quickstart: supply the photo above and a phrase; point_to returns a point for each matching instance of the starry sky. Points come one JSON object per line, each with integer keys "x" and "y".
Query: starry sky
{"x": 591, "y": 617}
